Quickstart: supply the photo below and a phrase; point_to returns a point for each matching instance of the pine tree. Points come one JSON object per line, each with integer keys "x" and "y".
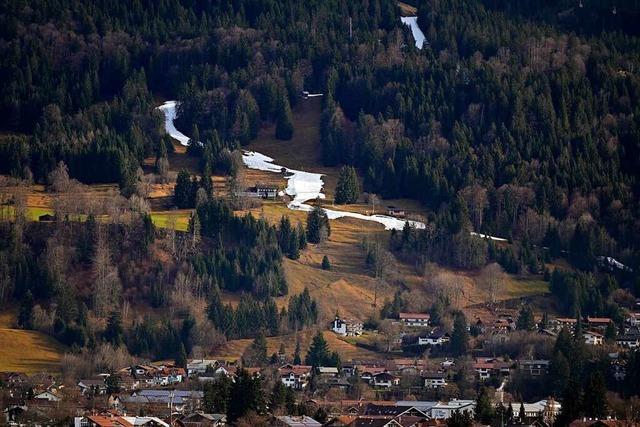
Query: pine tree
{"x": 114, "y": 332}
{"x": 595, "y": 400}
{"x": 182, "y": 193}
{"x": 317, "y": 220}
{"x": 284, "y": 120}
{"x": 26, "y": 310}
{"x": 296, "y": 356}
{"x": 347, "y": 188}
{"x": 318, "y": 354}
{"x": 326, "y": 265}
{"x": 181, "y": 357}
{"x": 525, "y": 320}
{"x": 484, "y": 412}
{"x": 302, "y": 236}
{"x": 246, "y": 395}
{"x": 460, "y": 335}
{"x": 460, "y": 419}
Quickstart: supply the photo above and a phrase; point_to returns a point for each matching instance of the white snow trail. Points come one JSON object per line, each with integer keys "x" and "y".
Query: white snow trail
{"x": 301, "y": 186}
{"x": 418, "y": 35}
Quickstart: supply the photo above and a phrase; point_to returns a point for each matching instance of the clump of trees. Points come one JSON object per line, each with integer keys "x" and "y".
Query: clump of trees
{"x": 348, "y": 188}
{"x": 318, "y": 228}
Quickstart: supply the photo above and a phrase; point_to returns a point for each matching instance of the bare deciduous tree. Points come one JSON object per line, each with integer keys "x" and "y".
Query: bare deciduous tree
{"x": 107, "y": 284}
{"x": 492, "y": 278}
{"x": 58, "y": 178}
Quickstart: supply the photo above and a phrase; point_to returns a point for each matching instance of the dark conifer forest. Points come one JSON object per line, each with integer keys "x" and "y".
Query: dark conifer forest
{"x": 514, "y": 131}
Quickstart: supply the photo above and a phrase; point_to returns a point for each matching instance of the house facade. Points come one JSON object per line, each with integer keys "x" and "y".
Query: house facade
{"x": 435, "y": 379}
{"x": 347, "y": 327}
{"x": 417, "y": 320}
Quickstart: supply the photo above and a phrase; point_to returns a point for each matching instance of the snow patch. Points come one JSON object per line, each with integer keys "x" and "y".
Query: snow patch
{"x": 301, "y": 186}
{"x": 169, "y": 110}
{"x": 612, "y": 262}
{"x": 418, "y": 35}
{"x": 304, "y": 186}
{"x": 486, "y": 236}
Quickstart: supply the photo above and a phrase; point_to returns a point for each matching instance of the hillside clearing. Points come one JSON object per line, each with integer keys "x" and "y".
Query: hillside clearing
{"x": 27, "y": 351}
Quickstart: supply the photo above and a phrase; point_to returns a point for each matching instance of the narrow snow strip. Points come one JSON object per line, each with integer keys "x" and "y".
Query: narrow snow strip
{"x": 614, "y": 263}
{"x": 169, "y": 110}
{"x": 486, "y": 236}
{"x": 305, "y": 186}
{"x": 301, "y": 186}
{"x": 418, "y": 35}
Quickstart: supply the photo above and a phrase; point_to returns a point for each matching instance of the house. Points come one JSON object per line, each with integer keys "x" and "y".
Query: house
{"x": 333, "y": 382}
{"x": 295, "y": 376}
{"x": 291, "y": 421}
{"x": 435, "y": 379}
{"x": 598, "y": 323}
{"x": 503, "y": 325}
{"x": 367, "y": 372}
{"x": 46, "y": 218}
{"x": 200, "y": 419}
{"x": 436, "y": 337}
{"x": 419, "y": 320}
{"x": 110, "y": 420}
{"x": 448, "y": 363}
{"x": 92, "y": 386}
{"x": 265, "y": 191}
{"x": 593, "y": 338}
{"x": 534, "y": 367}
{"x": 199, "y": 366}
{"x": 384, "y": 380}
{"x": 544, "y": 410}
{"x": 394, "y": 411}
{"x": 169, "y": 376}
{"x": 48, "y": 396}
{"x": 633, "y": 319}
{"x": 396, "y": 212}
{"x": 327, "y": 371}
{"x": 157, "y": 401}
{"x": 443, "y": 410}
{"x": 347, "y": 327}
{"x": 628, "y": 340}
{"x": 563, "y": 322}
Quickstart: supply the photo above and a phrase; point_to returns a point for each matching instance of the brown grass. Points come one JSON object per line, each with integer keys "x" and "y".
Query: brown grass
{"x": 407, "y": 9}
{"x": 234, "y": 349}
{"x": 27, "y": 351}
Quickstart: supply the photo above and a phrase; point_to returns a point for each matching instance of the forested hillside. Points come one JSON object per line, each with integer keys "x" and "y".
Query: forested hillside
{"x": 511, "y": 138}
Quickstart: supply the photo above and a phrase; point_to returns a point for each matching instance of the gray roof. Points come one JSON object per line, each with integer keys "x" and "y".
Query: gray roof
{"x": 193, "y": 394}
{"x": 302, "y": 421}
{"x": 421, "y": 405}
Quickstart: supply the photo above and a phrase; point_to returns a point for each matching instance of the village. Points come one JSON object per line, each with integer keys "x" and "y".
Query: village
{"x": 402, "y": 391}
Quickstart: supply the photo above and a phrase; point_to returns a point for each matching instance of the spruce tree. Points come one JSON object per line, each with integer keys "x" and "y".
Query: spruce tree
{"x": 595, "y": 399}
{"x": 326, "y": 265}
{"x": 347, "y": 188}
{"x": 525, "y": 320}
{"x": 284, "y": 120}
{"x": 26, "y": 310}
{"x": 296, "y": 356}
{"x": 114, "y": 332}
{"x": 318, "y": 354}
{"x": 302, "y": 236}
{"x": 316, "y": 220}
{"x": 460, "y": 335}
{"x": 182, "y": 193}
{"x": 484, "y": 412}
{"x": 181, "y": 357}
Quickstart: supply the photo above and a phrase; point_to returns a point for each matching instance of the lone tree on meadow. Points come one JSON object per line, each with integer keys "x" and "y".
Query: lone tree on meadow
{"x": 348, "y": 188}
{"x": 326, "y": 264}
{"x": 284, "y": 121}
{"x": 317, "y": 225}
